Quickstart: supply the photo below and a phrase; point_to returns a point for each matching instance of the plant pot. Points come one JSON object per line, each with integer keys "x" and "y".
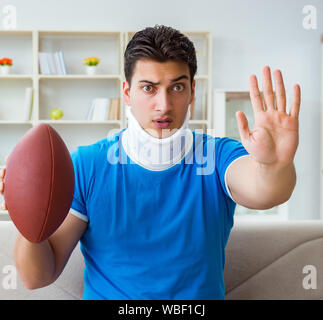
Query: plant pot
{"x": 5, "y": 70}
{"x": 91, "y": 70}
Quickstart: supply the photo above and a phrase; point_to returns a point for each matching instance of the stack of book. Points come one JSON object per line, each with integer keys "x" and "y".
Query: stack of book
{"x": 52, "y": 63}
{"x": 102, "y": 109}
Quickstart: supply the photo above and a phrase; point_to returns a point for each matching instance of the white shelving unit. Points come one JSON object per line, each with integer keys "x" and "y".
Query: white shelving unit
{"x": 74, "y": 91}
{"x": 226, "y": 103}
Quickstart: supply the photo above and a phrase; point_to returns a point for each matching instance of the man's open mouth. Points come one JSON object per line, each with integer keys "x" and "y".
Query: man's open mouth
{"x": 163, "y": 123}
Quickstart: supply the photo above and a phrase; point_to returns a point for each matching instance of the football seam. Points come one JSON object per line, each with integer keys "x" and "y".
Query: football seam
{"x": 51, "y": 185}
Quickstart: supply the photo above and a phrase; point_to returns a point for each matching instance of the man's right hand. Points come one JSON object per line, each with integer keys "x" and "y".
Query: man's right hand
{"x": 46, "y": 260}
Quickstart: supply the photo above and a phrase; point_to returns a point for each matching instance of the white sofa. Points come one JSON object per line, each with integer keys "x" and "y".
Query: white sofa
{"x": 264, "y": 260}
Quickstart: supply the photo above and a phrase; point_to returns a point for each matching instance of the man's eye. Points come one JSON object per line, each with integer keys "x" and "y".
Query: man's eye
{"x": 150, "y": 88}
{"x": 180, "y": 86}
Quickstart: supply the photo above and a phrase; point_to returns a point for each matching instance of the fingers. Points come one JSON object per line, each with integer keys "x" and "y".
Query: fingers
{"x": 255, "y": 96}
{"x": 2, "y": 174}
{"x": 269, "y": 95}
{"x": 280, "y": 91}
{"x": 3, "y": 205}
{"x": 294, "y": 111}
{"x": 243, "y": 125}
{"x": 267, "y": 86}
{"x": 3, "y": 170}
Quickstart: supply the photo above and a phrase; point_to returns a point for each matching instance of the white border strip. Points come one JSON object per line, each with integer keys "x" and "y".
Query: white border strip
{"x": 225, "y": 175}
{"x": 79, "y": 215}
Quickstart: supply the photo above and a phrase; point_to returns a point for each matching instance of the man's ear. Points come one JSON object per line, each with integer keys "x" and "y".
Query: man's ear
{"x": 193, "y": 92}
{"x": 126, "y": 92}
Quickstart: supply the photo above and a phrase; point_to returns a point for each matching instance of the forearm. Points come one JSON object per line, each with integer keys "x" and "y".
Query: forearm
{"x": 35, "y": 262}
{"x": 273, "y": 183}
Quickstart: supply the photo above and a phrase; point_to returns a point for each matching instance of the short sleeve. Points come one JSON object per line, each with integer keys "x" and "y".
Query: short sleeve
{"x": 227, "y": 151}
{"x": 78, "y": 207}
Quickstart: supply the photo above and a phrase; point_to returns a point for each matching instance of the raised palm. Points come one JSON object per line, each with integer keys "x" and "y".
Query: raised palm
{"x": 274, "y": 138}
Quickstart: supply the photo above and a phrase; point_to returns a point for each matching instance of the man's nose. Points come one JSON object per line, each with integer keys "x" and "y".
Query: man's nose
{"x": 163, "y": 103}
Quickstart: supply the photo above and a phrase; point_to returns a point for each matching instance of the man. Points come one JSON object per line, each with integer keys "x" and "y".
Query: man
{"x": 152, "y": 212}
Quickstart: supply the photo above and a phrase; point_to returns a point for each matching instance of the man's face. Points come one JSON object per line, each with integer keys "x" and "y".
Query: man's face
{"x": 160, "y": 94}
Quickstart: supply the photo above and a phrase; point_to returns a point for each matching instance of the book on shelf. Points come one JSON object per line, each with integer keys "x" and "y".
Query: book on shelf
{"x": 102, "y": 109}
{"x": 99, "y": 109}
{"x": 52, "y": 63}
{"x": 114, "y": 109}
{"x": 28, "y": 107}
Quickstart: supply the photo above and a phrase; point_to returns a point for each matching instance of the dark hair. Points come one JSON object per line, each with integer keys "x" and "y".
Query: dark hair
{"x": 159, "y": 43}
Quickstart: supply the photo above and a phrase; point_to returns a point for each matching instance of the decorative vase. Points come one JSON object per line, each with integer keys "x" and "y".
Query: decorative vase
{"x": 5, "y": 69}
{"x": 91, "y": 70}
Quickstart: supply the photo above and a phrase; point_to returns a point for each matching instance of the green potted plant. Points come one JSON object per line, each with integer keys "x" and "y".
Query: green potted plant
{"x": 91, "y": 65}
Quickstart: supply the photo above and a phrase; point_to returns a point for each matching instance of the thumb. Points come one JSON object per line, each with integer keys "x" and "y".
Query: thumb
{"x": 243, "y": 125}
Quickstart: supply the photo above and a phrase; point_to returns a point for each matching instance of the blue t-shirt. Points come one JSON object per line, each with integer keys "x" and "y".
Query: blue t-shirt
{"x": 157, "y": 235}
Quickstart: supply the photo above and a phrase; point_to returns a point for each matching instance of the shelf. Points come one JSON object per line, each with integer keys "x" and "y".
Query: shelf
{"x": 197, "y": 32}
{"x": 16, "y": 122}
{"x": 16, "y": 76}
{"x": 201, "y": 77}
{"x": 236, "y": 94}
{"x": 86, "y": 122}
{"x": 80, "y": 77}
{"x": 78, "y": 33}
{"x": 16, "y": 32}
{"x": 198, "y": 122}
{"x": 79, "y": 122}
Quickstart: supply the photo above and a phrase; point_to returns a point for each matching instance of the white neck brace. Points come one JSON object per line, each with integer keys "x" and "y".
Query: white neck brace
{"x": 153, "y": 153}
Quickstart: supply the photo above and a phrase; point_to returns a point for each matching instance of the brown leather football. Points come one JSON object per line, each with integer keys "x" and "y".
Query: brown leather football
{"x": 39, "y": 183}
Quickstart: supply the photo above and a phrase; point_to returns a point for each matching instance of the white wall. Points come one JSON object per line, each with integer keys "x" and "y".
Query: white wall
{"x": 247, "y": 34}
